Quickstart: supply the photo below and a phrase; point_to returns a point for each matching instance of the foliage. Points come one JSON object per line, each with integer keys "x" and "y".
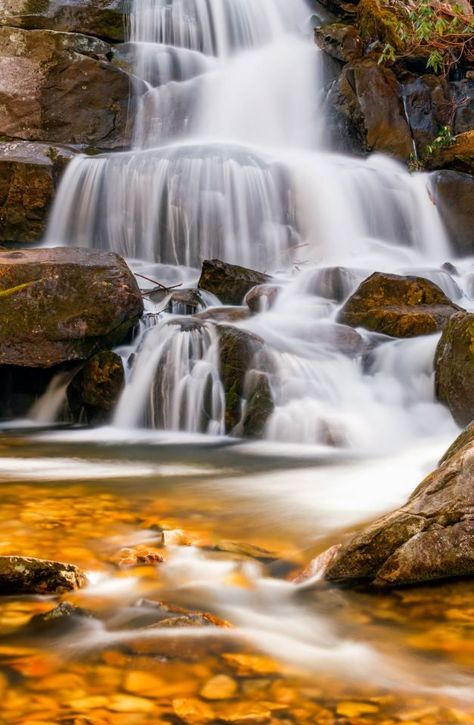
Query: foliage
{"x": 441, "y": 32}
{"x": 443, "y": 140}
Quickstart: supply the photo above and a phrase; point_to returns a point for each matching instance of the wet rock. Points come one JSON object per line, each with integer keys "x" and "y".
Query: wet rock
{"x": 95, "y": 390}
{"x": 462, "y": 94}
{"x": 342, "y": 338}
{"x": 61, "y": 86}
{"x": 262, "y": 297}
{"x": 237, "y": 351}
{"x": 453, "y": 194}
{"x": 259, "y": 407}
{"x": 430, "y": 538}
{"x": 336, "y": 283}
{"x": 103, "y": 18}
{"x": 229, "y": 282}
{"x": 224, "y": 314}
{"x": 428, "y": 107}
{"x": 366, "y": 111}
{"x": 454, "y": 367}
{"x": 463, "y": 439}
{"x": 29, "y": 176}
{"x": 398, "y": 306}
{"x": 25, "y": 575}
{"x": 180, "y": 301}
{"x": 341, "y": 42}
{"x": 220, "y": 687}
{"x": 459, "y": 156}
{"x": 63, "y": 304}
{"x": 64, "y": 617}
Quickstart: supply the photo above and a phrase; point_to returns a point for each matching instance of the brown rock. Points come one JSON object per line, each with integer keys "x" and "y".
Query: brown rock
{"x": 430, "y": 538}
{"x": 61, "y": 87}
{"x": 29, "y": 176}
{"x": 459, "y": 156}
{"x": 229, "y": 282}
{"x": 24, "y": 575}
{"x": 453, "y": 194}
{"x": 454, "y": 367}
{"x": 398, "y": 306}
{"x": 63, "y": 304}
{"x": 340, "y": 41}
{"x": 262, "y": 297}
{"x": 96, "y": 388}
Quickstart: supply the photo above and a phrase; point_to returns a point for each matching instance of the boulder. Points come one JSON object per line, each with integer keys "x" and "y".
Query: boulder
{"x": 341, "y": 338}
{"x": 178, "y": 301}
{"x": 224, "y": 314}
{"x": 259, "y": 406}
{"x": 459, "y": 156}
{"x": 341, "y": 42}
{"x": 262, "y": 297}
{"x": 29, "y": 176}
{"x": 462, "y": 94}
{"x": 335, "y": 283}
{"x": 63, "y": 304}
{"x": 398, "y": 306}
{"x": 106, "y": 19}
{"x": 229, "y": 282}
{"x": 95, "y": 390}
{"x": 428, "y": 108}
{"x": 454, "y": 367}
{"x": 61, "y": 87}
{"x": 366, "y": 110}
{"x": 25, "y": 575}
{"x": 453, "y": 194}
{"x": 430, "y": 538}
{"x": 237, "y": 353}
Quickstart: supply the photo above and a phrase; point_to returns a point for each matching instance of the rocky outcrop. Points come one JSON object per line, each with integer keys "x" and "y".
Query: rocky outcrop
{"x": 229, "y": 282}
{"x": 63, "y": 304}
{"x": 62, "y": 87}
{"x": 25, "y": 575}
{"x": 341, "y": 42}
{"x": 458, "y": 156}
{"x": 366, "y": 110}
{"x": 454, "y": 367}
{"x": 29, "y": 176}
{"x": 106, "y": 19}
{"x": 453, "y": 194}
{"x": 95, "y": 390}
{"x": 398, "y": 306}
{"x": 428, "y": 539}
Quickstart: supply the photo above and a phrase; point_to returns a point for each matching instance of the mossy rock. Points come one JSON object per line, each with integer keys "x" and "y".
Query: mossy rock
{"x": 454, "y": 367}
{"x": 342, "y": 42}
{"x": 95, "y": 390}
{"x": 229, "y": 282}
{"x": 398, "y": 306}
{"x": 259, "y": 406}
{"x": 459, "y": 156}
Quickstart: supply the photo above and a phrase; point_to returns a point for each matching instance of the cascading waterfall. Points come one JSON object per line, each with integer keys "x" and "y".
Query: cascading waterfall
{"x": 229, "y": 161}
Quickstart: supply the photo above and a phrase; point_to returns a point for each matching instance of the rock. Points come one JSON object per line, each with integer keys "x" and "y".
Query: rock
{"x": 335, "y": 283}
{"x": 398, "y": 306}
{"x": 366, "y": 111}
{"x": 341, "y": 42}
{"x": 229, "y": 282}
{"x": 103, "y": 18}
{"x": 64, "y": 617}
{"x": 61, "y": 86}
{"x": 237, "y": 351}
{"x": 63, "y": 304}
{"x": 454, "y": 367}
{"x": 180, "y": 301}
{"x": 224, "y": 314}
{"x": 467, "y": 436}
{"x": 428, "y": 107}
{"x": 459, "y": 156}
{"x": 29, "y": 176}
{"x": 261, "y": 298}
{"x": 430, "y": 538}
{"x": 25, "y": 575}
{"x": 95, "y": 390}
{"x": 453, "y": 193}
{"x": 220, "y": 687}
{"x": 259, "y": 406}
{"x": 462, "y": 93}
{"x": 342, "y": 338}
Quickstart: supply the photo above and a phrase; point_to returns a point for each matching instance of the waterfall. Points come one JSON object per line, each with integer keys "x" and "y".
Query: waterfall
{"x": 229, "y": 161}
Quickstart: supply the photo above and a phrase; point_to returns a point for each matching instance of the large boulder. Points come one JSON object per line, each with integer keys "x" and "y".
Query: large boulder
{"x": 229, "y": 282}
{"x": 103, "y": 18}
{"x": 454, "y": 367}
{"x": 26, "y": 575}
{"x": 29, "y": 176}
{"x": 61, "y": 87}
{"x": 63, "y": 304}
{"x": 366, "y": 110}
{"x": 95, "y": 390}
{"x": 398, "y": 306}
{"x": 453, "y": 194}
{"x": 430, "y": 538}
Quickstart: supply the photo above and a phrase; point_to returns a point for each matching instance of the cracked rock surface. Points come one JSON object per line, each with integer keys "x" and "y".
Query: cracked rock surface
{"x": 431, "y": 537}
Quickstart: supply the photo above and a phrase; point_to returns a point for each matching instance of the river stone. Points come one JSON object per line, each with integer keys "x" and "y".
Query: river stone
{"x": 63, "y": 304}
{"x": 341, "y": 42}
{"x": 95, "y": 390}
{"x": 229, "y": 282}
{"x": 366, "y": 111}
{"x": 454, "y": 367}
{"x": 103, "y": 18}
{"x": 398, "y": 306}
{"x": 453, "y": 193}
{"x": 430, "y": 538}
{"x": 29, "y": 176}
{"x": 25, "y": 575}
{"x": 60, "y": 86}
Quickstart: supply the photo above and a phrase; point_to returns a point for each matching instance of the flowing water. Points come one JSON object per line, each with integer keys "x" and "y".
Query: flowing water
{"x": 230, "y": 159}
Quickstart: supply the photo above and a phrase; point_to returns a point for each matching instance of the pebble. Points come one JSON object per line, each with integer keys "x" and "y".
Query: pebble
{"x": 220, "y": 687}
{"x": 192, "y": 710}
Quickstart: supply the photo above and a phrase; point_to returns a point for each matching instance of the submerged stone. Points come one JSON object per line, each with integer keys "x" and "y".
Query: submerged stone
{"x": 26, "y": 575}
{"x": 398, "y": 306}
{"x": 229, "y": 282}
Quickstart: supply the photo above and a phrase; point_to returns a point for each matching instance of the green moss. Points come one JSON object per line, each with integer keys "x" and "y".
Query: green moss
{"x": 378, "y": 22}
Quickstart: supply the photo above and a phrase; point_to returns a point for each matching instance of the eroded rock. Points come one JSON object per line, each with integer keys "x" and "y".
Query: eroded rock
{"x": 229, "y": 282}
{"x": 25, "y": 575}
{"x": 454, "y": 367}
{"x": 63, "y": 304}
{"x": 398, "y": 306}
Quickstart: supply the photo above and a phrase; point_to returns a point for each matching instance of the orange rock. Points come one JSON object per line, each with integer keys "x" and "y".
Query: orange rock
{"x": 139, "y": 682}
{"x": 220, "y": 687}
{"x": 130, "y": 703}
{"x": 354, "y": 709}
{"x": 192, "y": 710}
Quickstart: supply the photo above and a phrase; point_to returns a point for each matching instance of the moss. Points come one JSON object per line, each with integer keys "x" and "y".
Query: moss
{"x": 377, "y": 22}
